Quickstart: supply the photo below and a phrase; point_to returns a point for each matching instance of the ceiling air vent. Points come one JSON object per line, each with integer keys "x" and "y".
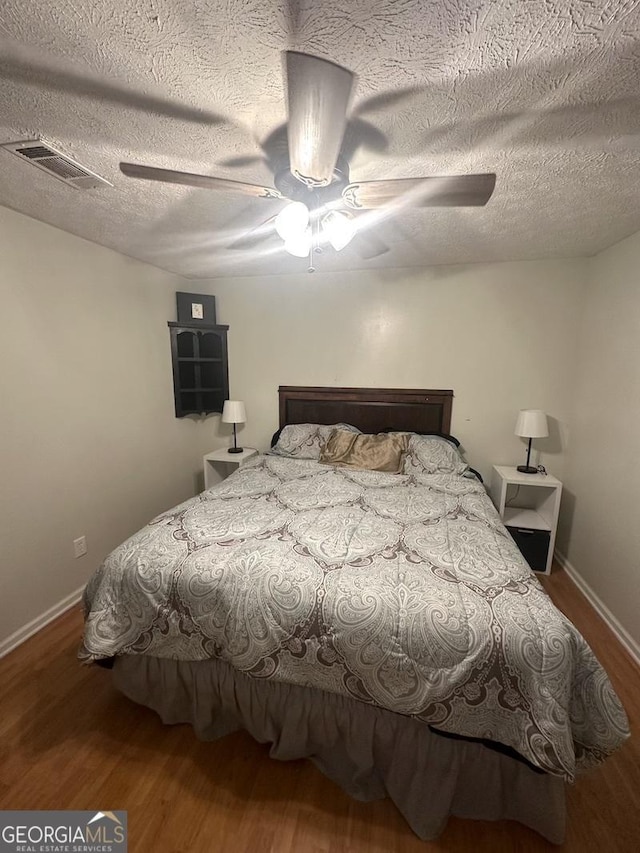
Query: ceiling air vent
{"x": 46, "y": 157}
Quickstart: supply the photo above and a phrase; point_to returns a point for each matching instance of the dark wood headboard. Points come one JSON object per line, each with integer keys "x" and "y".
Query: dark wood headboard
{"x": 369, "y": 409}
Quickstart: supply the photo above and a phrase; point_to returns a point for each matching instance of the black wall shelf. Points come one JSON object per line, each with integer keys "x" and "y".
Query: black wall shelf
{"x": 200, "y": 367}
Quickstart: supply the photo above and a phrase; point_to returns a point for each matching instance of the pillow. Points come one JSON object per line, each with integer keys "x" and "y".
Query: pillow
{"x": 444, "y": 435}
{"x": 372, "y": 452}
{"x": 431, "y": 454}
{"x": 303, "y": 441}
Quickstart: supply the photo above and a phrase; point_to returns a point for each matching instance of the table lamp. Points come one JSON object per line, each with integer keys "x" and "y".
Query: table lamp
{"x": 531, "y": 423}
{"x": 234, "y": 412}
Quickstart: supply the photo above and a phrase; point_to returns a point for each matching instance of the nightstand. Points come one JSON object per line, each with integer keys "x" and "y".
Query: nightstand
{"x": 220, "y": 463}
{"x": 528, "y": 505}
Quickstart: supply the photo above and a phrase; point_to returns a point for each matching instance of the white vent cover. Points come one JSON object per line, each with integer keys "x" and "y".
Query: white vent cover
{"x": 46, "y": 157}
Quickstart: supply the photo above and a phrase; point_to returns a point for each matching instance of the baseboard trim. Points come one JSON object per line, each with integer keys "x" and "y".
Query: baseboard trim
{"x": 598, "y": 605}
{"x": 18, "y": 637}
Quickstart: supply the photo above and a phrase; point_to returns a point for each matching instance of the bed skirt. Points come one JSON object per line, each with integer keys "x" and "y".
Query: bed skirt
{"x": 369, "y": 752}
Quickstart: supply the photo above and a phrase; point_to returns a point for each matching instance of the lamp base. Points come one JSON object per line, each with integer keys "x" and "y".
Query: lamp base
{"x": 527, "y": 469}
{"x": 235, "y": 450}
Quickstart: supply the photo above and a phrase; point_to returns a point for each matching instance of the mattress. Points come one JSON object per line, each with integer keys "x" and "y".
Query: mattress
{"x": 403, "y": 592}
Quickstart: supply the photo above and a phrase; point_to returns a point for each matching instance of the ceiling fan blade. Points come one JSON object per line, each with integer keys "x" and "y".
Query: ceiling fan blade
{"x": 368, "y": 244}
{"x": 169, "y": 176}
{"x": 451, "y": 191}
{"x": 254, "y": 236}
{"x": 318, "y": 97}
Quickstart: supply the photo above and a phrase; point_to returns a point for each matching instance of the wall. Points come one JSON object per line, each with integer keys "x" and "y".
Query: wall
{"x": 601, "y": 533}
{"x": 503, "y": 336}
{"x": 90, "y": 445}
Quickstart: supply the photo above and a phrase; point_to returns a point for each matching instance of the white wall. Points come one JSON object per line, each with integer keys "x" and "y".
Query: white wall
{"x": 600, "y": 534}
{"x": 90, "y": 444}
{"x": 502, "y": 336}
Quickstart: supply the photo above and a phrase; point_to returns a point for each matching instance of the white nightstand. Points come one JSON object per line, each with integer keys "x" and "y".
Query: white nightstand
{"x": 528, "y": 505}
{"x": 220, "y": 463}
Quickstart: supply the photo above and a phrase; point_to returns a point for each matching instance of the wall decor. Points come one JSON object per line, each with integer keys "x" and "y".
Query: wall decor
{"x": 196, "y": 307}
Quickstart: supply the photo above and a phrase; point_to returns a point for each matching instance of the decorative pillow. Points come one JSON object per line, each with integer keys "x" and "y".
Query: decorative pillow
{"x": 433, "y": 455}
{"x": 373, "y": 452}
{"x": 303, "y": 441}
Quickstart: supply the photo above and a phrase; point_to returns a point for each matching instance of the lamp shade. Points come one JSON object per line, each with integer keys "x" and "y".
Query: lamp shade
{"x": 292, "y": 220}
{"x": 234, "y": 412}
{"x": 531, "y": 423}
{"x": 339, "y": 229}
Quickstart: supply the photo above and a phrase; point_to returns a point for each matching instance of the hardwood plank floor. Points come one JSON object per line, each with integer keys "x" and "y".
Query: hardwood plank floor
{"x": 69, "y": 740}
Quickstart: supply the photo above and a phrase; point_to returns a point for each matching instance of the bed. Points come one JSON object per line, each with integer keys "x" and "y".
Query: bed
{"x": 383, "y": 625}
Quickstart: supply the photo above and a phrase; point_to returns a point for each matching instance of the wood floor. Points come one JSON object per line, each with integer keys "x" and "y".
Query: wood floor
{"x": 69, "y": 741}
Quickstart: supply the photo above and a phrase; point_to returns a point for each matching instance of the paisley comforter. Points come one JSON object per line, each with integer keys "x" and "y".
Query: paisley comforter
{"x": 402, "y": 591}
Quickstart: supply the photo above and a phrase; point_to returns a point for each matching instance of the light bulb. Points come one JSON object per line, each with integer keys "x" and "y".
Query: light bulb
{"x": 292, "y": 220}
{"x": 339, "y": 229}
{"x": 299, "y": 244}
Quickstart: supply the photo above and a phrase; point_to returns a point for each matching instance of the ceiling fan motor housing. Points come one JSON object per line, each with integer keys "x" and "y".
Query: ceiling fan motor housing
{"x": 294, "y": 189}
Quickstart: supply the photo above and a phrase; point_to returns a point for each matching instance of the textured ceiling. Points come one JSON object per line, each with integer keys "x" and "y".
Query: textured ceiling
{"x": 543, "y": 92}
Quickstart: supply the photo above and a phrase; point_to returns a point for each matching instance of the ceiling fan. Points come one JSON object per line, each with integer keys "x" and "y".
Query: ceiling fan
{"x": 313, "y": 175}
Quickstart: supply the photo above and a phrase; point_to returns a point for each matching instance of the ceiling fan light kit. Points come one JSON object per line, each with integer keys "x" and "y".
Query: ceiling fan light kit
{"x": 297, "y": 226}
{"x": 299, "y": 244}
{"x": 339, "y": 229}
{"x": 314, "y": 177}
{"x": 292, "y": 220}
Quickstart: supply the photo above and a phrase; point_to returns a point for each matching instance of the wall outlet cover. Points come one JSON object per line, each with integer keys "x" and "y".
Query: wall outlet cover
{"x": 80, "y": 546}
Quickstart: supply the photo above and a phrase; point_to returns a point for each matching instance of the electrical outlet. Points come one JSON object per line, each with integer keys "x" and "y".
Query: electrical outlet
{"x": 80, "y": 546}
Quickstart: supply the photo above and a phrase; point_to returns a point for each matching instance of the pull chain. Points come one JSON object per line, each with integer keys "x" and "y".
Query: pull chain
{"x": 314, "y": 234}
